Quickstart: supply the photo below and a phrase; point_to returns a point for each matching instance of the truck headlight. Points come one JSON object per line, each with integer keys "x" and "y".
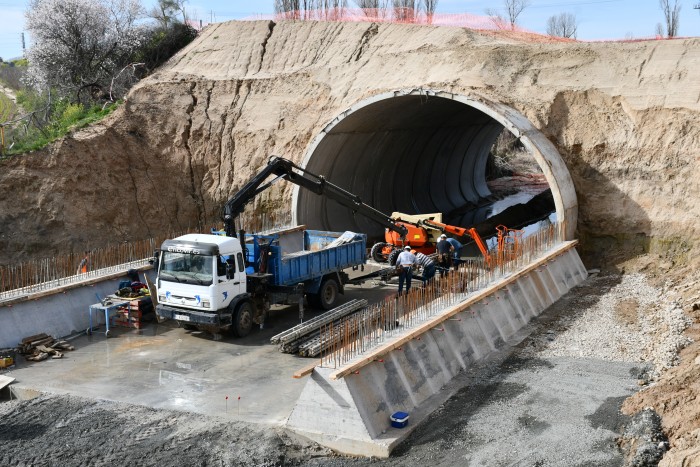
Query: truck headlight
{"x": 161, "y": 298}
{"x": 205, "y": 303}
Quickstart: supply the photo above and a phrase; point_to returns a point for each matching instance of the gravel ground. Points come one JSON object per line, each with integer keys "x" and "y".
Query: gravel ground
{"x": 631, "y": 322}
{"x": 553, "y": 401}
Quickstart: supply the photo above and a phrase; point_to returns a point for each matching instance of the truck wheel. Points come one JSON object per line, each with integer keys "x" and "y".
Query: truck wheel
{"x": 376, "y": 252}
{"x": 393, "y": 256}
{"x": 328, "y": 294}
{"x": 243, "y": 319}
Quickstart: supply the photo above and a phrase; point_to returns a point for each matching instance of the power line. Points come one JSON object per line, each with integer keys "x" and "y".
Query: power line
{"x": 574, "y": 3}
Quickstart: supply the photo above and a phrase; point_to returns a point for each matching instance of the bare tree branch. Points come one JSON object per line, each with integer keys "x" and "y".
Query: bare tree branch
{"x": 671, "y": 15}
{"x": 514, "y": 8}
{"x": 562, "y": 25}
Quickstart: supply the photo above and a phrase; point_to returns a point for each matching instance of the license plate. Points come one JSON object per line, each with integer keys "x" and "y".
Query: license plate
{"x": 181, "y": 317}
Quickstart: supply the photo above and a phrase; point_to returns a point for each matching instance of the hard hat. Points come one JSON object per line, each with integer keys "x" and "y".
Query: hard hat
{"x": 407, "y": 247}
{"x": 443, "y": 236}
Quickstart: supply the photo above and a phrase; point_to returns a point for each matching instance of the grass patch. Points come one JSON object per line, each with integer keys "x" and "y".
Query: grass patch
{"x": 66, "y": 118}
{"x": 7, "y": 108}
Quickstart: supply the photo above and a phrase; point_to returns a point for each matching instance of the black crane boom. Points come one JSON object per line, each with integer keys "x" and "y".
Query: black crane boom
{"x": 286, "y": 169}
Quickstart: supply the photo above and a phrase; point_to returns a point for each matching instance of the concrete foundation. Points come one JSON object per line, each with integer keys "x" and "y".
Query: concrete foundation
{"x": 351, "y": 414}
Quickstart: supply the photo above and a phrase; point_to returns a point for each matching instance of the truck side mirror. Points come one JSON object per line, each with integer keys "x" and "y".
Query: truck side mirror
{"x": 153, "y": 261}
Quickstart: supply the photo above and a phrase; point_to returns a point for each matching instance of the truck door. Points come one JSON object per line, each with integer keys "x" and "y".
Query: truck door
{"x": 239, "y": 280}
{"x": 231, "y": 277}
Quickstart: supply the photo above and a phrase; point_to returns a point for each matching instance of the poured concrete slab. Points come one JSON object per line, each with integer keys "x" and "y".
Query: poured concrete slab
{"x": 163, "y": 366}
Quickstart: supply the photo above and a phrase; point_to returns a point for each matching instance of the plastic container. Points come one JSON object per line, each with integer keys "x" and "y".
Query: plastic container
{"x": 399, "y": 419}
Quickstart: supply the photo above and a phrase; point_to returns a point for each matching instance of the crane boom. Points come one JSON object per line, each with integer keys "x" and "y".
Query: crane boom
{"x": 462, "y": 232}
{"x": 286, "y": 169}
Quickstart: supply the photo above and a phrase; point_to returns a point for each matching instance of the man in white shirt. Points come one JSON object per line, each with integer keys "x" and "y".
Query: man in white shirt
{"x": 405, "y": 263}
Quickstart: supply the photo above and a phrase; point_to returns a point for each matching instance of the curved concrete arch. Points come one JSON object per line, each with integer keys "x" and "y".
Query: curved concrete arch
{"x": 394, "y": 149}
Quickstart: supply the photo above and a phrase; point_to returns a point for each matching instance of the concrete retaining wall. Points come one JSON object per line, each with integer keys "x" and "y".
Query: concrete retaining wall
{"x": 60, "y": 312}
{"x": 351, "y": 414}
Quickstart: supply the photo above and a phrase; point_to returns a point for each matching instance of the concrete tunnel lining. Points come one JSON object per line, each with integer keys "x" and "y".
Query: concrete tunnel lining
{"x": 420, "y": 151}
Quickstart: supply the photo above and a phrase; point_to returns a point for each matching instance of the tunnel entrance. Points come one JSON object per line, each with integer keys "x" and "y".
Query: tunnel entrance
{"x": 420, "y": 151}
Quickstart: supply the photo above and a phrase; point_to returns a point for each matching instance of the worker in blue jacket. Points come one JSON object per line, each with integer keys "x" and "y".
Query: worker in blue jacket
{"x": 456, "y": 252}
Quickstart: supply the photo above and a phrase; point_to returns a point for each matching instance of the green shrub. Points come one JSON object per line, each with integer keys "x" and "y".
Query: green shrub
{"x": 66, "y": 117}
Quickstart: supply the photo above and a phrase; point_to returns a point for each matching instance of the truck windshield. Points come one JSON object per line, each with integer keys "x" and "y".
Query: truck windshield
{"x": 186, "y": 267}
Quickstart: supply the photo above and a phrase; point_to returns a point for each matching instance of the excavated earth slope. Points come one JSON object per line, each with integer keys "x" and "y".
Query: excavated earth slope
{"x": 623, "y": 116}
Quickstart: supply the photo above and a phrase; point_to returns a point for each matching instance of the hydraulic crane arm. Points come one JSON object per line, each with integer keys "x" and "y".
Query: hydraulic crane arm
{"x": 286, "y": 169}
{"x": 462, "y": 232}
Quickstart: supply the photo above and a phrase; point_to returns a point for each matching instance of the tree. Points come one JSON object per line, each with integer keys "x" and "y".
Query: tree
{"x": 429, "y": 7}
{"x": 80, "y": 45}
{"x": 164, "y": 12}
{"x": 496, "y": 18}
{"x": 513, "y": 9}
{"x": 373, "y": 8}
{"x": 406, "y": 10}
{"x": 671, "y": 15}
{"x": 287, "y": 8}
{"x": 659, "y": 30}
{"x": 562, "y": 25}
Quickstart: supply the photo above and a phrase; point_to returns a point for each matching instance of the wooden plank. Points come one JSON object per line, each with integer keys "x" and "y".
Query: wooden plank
{"x": 307, "y": 370}
{"x": 447, "y": 314}
{"x": 35, "y": 337}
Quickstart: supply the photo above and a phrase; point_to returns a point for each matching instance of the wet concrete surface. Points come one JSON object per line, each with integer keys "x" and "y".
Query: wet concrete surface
{"x": 166, "y": 367}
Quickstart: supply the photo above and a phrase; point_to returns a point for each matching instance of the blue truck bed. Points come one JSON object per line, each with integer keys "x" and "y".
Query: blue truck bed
{"x": 318, "y": 253}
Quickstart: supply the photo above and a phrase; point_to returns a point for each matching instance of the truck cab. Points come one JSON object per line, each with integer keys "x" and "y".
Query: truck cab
{"x": 202, "y": 282}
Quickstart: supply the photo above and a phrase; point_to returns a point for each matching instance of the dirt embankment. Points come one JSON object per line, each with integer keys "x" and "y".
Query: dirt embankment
{"x": 675, "y": 395}
{"x": 623, "y": 115}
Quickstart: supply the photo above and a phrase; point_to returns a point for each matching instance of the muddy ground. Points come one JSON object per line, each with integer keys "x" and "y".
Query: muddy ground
{"x": 545, "y": 402}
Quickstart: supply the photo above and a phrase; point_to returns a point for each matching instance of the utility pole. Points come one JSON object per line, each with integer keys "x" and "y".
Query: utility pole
{"x": 23, "y": 47}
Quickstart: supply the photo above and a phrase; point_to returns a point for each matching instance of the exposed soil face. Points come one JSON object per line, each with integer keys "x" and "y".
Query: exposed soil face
{"x": 623, "y": 115}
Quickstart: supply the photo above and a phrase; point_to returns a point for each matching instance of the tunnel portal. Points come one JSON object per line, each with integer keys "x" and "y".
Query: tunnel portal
{"x": 419, "y": 152}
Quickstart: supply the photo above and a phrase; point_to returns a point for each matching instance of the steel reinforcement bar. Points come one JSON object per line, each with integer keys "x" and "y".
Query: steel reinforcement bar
{"x": 365, "y": 331}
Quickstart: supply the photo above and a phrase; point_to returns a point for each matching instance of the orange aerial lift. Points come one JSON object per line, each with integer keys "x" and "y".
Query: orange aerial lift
{"x": 423, "y": 232}
{"x": 461, "y": 232}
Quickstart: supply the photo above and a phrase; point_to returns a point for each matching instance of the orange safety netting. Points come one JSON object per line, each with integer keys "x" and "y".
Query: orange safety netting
{"x": 407, "y": 16}
{"x": 486, "y": 24}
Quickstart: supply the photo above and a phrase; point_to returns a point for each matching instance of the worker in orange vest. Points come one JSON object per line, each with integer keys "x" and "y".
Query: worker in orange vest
{"x": 84, "y": 264}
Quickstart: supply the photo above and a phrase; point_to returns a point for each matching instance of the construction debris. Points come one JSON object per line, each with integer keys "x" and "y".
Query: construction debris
{"x": 7, "y": 358}
{"x": 38, "y": 347}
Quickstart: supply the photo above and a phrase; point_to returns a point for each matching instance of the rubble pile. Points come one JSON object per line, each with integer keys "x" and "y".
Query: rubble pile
{"x": 40, "y": 346}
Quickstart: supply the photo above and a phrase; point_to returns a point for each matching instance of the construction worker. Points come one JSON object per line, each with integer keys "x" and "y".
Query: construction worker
{"x": 84, "y": 263}
{"x": 456, "y": 252}
{"x": 428, "y": 265}
{"x": 405, "y": 264}
{"x": 444, "y": 251}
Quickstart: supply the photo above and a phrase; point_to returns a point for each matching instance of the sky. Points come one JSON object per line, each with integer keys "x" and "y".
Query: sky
{"x": 597, "y": 19}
